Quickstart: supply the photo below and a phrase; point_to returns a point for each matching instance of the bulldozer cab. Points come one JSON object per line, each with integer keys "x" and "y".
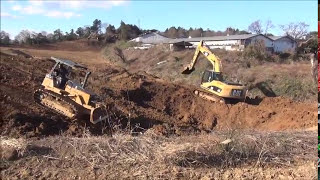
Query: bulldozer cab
{"x": 63, "y": 71}
{"x": 210, "y": 75}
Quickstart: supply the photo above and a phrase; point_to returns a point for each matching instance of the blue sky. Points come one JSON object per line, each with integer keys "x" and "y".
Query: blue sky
{"x": 33, "y": 15}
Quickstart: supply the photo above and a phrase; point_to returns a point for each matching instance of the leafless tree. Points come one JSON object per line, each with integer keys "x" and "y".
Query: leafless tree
{"x": 44, "y": 33}
{"x": 269, "y": 26}
{"x": 295, "y": 30}
{"x": 23, "y": 36}
{"x": 255, "y": 27}
{"x": 4, "y": 38}
{"x": 313, "y": 57}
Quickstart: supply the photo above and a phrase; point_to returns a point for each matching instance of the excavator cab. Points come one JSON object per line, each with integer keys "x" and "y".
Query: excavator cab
{"x": 209, "y": 76}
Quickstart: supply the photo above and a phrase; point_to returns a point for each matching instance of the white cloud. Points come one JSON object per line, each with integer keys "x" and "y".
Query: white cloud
{"x": 77, "y": 5}
{"x": 7, "y": 15}
{"x": 118, "y": 3}
{"x": 63, "y": 8}
{"x": 28, "y": 9}
{"x": 33, "y": 10}
{"x": 16, "y": 7}
{"x": 105, "y": 4}
{"x": 59, "y": 14}
{"x": 72, "y": 4}
{"x": 36, "y": 2}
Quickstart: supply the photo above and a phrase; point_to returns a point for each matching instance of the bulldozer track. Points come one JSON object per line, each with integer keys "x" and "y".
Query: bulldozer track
{"x": 40, "y": 94}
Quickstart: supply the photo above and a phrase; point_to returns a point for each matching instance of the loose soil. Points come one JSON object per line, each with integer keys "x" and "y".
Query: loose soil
{"x": 141, "y": 99}
{"x": 184, "y": 137}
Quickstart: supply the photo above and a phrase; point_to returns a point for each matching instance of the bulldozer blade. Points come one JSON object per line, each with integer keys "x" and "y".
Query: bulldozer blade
{"x": 187, "y": 70}
{"x": 98, "y": 114}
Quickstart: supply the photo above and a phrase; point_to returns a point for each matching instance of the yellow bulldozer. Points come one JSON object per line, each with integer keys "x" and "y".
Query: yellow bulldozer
{"x": 65, "y": 96}
{"x": 213, "y": 86}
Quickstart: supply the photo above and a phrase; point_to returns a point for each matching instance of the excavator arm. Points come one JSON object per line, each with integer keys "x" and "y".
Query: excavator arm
{"x": 214, "y": 60}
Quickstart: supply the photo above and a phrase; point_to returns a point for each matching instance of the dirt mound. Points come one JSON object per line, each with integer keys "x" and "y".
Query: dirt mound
{"x": 138, "y": 99}
{"x": 172, "y": 103}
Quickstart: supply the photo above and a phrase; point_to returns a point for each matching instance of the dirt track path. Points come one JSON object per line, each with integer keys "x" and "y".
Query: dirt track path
{"x": 89, "y": 58}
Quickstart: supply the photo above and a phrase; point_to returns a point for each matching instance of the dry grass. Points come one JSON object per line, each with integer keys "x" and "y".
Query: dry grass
{"x": 195, "y": 156}
{"x": 19, "y": 145}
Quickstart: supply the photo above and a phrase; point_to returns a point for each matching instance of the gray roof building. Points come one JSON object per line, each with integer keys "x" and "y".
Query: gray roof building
{"x": 217, "y": 38}
{"x": 151, "y": 38}
{"x": 279, "y": 37}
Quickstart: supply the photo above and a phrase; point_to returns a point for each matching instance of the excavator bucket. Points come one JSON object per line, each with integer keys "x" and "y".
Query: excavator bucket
{"x": 187, "y": 70}
{"x": 98, "y": 114}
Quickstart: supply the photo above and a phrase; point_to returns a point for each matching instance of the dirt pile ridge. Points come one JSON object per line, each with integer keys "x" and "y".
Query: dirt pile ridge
{"x": 138, "y": 98}
{"x": 172, "y": 103}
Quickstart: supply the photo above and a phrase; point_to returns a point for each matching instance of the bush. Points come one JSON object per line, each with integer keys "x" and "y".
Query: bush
{"x": 296, "y": 88}
{"x": 114, "y": 51}
{"x": 258, "y": 51}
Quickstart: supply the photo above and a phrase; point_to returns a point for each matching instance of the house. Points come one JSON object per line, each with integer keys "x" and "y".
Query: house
{"x": 229, "y": 42}
{"x": 283, "y": 44}
{"x": 148, "y": 40}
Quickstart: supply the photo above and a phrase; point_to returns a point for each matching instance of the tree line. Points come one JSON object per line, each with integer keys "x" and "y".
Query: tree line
{"x": 108, "y": 33}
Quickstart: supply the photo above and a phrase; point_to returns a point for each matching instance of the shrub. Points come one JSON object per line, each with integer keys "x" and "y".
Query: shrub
{"x": 258, "y": 51}
{"x": 296, "y": 88}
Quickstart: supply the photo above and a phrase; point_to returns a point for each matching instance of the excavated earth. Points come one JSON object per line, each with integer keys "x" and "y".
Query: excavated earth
{"x": 139, "y": 100}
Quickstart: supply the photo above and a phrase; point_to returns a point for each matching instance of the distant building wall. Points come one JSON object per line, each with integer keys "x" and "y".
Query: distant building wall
{"x": 284, "y": 44}
{"x": 234, "y": 44}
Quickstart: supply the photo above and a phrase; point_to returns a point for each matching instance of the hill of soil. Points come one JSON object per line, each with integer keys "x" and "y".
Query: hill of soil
{"x": 239, "y": 141}
{"x": 141, "y": 99}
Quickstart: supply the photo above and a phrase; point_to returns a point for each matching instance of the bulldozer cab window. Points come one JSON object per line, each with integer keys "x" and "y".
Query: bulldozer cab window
{"x": 61, "y": 73}
{"x": 209, "y": 76}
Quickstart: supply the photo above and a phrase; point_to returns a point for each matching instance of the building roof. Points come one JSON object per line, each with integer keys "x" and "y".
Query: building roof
{"x": 218, "y": 38}
{"x": 151, "y": 38}
{"x": 274, "y": 38}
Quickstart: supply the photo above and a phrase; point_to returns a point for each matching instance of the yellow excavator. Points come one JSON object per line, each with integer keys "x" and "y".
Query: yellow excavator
{"x": 214, "y": 87}
{"x": 63, "y": 95}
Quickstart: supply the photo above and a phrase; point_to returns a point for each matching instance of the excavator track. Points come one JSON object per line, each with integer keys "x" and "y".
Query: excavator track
{"x": 56, "y": 103}
{"x": 214, "y": 98}
{"x": 209, "y": 96}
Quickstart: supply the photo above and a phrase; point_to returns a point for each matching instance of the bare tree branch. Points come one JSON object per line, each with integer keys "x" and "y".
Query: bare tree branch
{"x": 255, "y": 27}
{"x": 269, "y": 26}
{"x": 295, "y": 30}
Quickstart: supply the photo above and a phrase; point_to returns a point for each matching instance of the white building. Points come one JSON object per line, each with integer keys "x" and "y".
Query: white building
{"x": 148, "y": 40}
{"x": 283, "y": 44}
{"x": 230, "y": 43}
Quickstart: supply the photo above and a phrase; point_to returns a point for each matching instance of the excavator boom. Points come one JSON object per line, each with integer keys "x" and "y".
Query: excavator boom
{"x": 214, "y": 60}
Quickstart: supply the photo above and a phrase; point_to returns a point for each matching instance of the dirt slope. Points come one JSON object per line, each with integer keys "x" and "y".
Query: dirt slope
{"x": 288, "y": 79}
{"x": 167, "y": 102}
{"x": 139, "y": 98}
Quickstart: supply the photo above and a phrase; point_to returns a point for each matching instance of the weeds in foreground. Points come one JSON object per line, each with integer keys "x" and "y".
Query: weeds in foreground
{"x": 150, "y": 155}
